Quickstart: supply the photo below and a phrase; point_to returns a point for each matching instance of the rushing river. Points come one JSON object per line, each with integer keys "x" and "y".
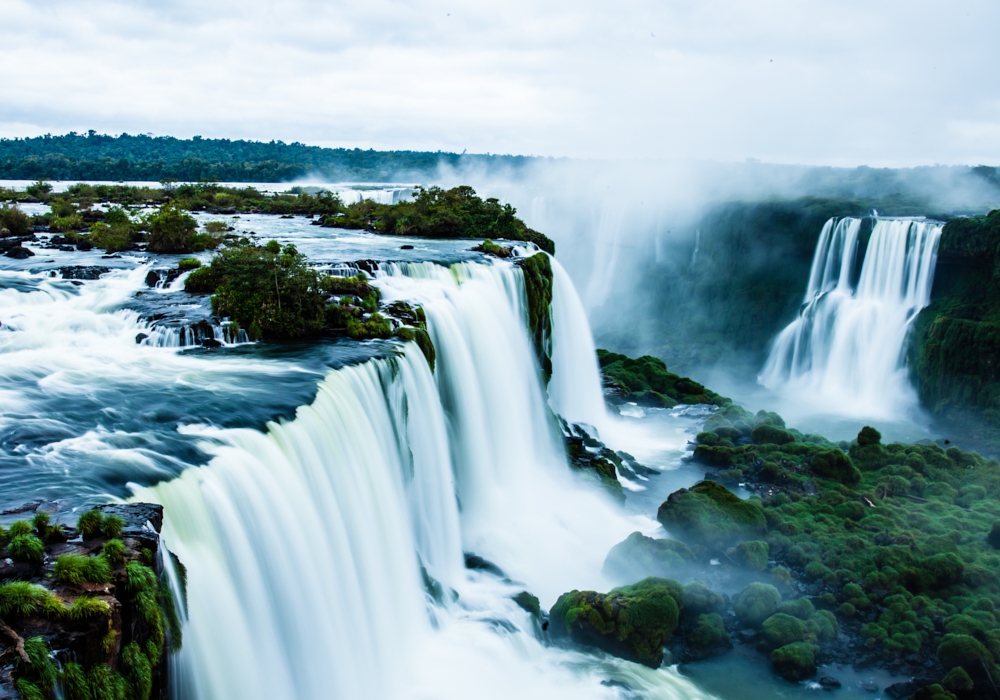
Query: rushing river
{"x": 323, "y": 495}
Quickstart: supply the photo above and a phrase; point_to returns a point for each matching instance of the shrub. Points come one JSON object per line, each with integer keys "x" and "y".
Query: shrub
{"x": 766, "y": 434}
{"x": 186, "y": 264}
{"x": 79, "y": 568}
{"x": 21, "y": 527}
{"x": 41, "y": 523}
{"x": 90, "y": 523}
{"x": 757, "y": 602}
{"x": 375, "y": 326}
{"x": 171, "y": 231}
{"x": 112, "y": 526}
{"x": 846, "y": 610}
{"x": 869, "y": 436}
{"x": 114, "y": 551}
{"x": 709, "y": 632}
{"x": 15, "y": 221}
{"x": 112, "y": 239}
{"x": 26, "y": 548}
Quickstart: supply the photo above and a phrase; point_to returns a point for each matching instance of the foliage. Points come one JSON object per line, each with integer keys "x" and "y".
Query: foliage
{"x": 752, "y": 555}
{"x": 23, "y": 599}
{"x": 270, "y": 291}
{"x": 89, "y": 524}
{"x": 114, "y": 551}
{"x": 537, "y": 271}
{"x": 186, "y": 264}
{"x": 633, "y": 622}
{"x": 757, "y": 602}
{"x": 491, "y": 248}
{"x": 529, "y": 603}
{"x": 79, "y": 568}
{"x": 27, "y": 548}
{"x": 781, "y": 629}
{"x": 15, "y": 221}
{"x": 795, "y": 661}
{"x": 112, "y": 526}
{"x": 171, "y": 231}
{"x": 375, "y": 326}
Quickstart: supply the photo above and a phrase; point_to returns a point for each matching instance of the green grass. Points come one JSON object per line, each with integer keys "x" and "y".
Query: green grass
{"x": 79, "y": 568}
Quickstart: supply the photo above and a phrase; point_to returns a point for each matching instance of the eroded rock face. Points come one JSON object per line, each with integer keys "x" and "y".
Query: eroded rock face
{"x": 94, "y": 597}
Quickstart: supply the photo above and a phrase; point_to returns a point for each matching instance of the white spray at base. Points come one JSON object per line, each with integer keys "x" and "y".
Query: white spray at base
{"x": 303, "y": 545}
{"x": 846, "y": 349}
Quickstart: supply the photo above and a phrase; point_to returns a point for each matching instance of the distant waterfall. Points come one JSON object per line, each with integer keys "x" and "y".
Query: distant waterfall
{"x": 304, "y": 544}
{"x": 846, "y": 348}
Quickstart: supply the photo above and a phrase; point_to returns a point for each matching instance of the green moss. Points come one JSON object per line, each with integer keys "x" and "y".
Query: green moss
{"x": 90, "y": 523}
{"x": 652, "y": 557}
{"x": 633, "y": 622}
{"x": 822, "y": 626}
{"x": 710, "y": 513}
{"x": 993, "y": 538}
{"x": 647, "y": 381}
{"x": 795, "y": 661}
{"x": 801, "y": 608}
{"x": 700, "y": 599}
{"x": 186, "y": 264}
{"x": 709, "y": 633}
{"x": 755, "y": 603}
{"x": 752, "y": 555}
{"x": 781, "y": 629}
{"x": 963, "y": 650}
{"x": 835, "y": 465}
{"x": 933, "y": 692}
{"x": 491, "y": 248}
{"x": 765, "y": 433}
{"x": 846, "y": 610}
{"x": 537, "y": 271}
{"x": 529, "y": 603}
{"x": 137, "y": 671}
{"x": 958, "y": 680}
{"x": 26, "y": 548}
{"x": 375, "y": 326}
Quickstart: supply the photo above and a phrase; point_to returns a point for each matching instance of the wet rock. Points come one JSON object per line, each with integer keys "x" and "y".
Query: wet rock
{"x": 140, "y": 337}
{"x": 829, "y": 682}
{"x": 898, "y": 691}
{"x": 868, "y": 686}
{"x": 28, "y": 507}
{"x": 477, "y": 563}
{"x": 747, "y": 636}
{"x": 19, "y": 253}
{"x": 84, "y": 245}
{"x": 211, "y": 343}
{"x": 80, "y": 272}
{"x": 152, "y": 278}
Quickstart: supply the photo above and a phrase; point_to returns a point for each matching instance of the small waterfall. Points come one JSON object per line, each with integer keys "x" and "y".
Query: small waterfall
{"x": 846, "y": 348}
{"x": 304, "y": 544}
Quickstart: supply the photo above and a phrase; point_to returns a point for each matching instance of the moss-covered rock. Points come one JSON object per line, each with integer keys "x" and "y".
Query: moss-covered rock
{"x": 765, "y": 433}
{"x": 537, "y": 271}
{"x": 755, "y": 603}
{"x": 752, "y": 555}
{"x": 795, "y": 661}
{"x": 647, "y": 382}
{"x": 708, "y": 636}
{"x": 836, "y": 466}
{"x": 700, "y": 599}
{"x": 646, "y": 556}
{"x": 633, "y": 622}
{"x": 781, "y": 629}
{"x": 801, "y": 608}
{"x": 709, "y": 513}
{"x": 965, "y": 651}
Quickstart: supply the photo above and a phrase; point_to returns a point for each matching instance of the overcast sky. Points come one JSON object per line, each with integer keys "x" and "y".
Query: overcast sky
{"x": 878, "y": 82}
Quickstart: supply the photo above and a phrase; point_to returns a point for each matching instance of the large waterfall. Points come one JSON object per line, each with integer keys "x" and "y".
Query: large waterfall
{"x": 325, "y": 556}
{"x": 846, "y": 348}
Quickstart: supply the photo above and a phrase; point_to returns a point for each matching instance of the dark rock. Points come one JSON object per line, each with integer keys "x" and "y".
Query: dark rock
{"x": 136, "y": 515}
{"x": 84, "y": 245}
{"x": 19, "y": 253}
{"x": 747, "y": 636}
{"x": 79, "y": 272}
{"x": 476, "y": 562}
{"x": 868, "y": 686}
{"x": 829, "y": 682}
{"x": 406, "y": 247}
{"x": 28, "y": 507}
{"x": 140, "y": 337}
{"x": 898, "y": 691}
{"x": 211, "y": 343}
{"x": 152, "y": 278}
{"x": 368, "y": 266}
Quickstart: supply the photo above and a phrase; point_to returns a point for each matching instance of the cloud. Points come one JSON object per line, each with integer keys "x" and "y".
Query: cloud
{"x": 889, "y": 83}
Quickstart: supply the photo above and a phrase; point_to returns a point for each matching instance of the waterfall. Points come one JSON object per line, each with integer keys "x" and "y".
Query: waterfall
{"x": 846, "y": 348}
{"x": 304, "y": 544}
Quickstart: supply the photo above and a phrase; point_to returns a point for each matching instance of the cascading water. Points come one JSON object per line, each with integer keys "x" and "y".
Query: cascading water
{"x": 846, "y": 348}
{"x": 304, "y": 544}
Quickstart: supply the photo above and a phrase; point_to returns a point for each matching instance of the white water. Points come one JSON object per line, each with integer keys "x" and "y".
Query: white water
{"x": 846, "y": 350}
{"x": 303, "y": 544}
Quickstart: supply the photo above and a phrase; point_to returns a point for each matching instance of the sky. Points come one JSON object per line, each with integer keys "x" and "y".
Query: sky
{"x": 874, "y": 82}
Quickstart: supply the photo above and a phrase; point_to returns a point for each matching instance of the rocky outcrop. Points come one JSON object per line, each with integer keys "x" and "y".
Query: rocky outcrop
{"x": 88, "y": 608}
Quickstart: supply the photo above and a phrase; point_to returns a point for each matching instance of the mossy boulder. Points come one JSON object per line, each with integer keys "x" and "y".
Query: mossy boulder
{"x": 699, "y": 599}
{"x": 646, "y": 381}
{"x": 933, "y": 692}
{"x": 633, "y": 622}
{"x": 867, "y": 452}
{"x": 753, "y": 555}
{"x": 801, "y": 608}
{"x": 963, "y": 650}
{"x": 755, "y": 603}
{"x": 795, "y": 661}
{"x": 781, "y": 629}
{"x": 766, "y": 434}
{"x": 646, "y": 556}
{"x": 709, "y": 636}
{"x": 537, "y": 271}
{"x": 709, "y": 513}
{"x": 836, "y": 466}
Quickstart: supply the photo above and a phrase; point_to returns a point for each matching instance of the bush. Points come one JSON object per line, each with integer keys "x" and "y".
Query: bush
{"x": 112, "y": 239}
{"x": 769, "y": 434}
{"x": 869, "y": 436}
{"x": 21, "y": 527}
{"x": 15, "y": 221}
{"x": 186, "y": 264}
{"x": 835, "y": 465}
{"x": 171, "y": 231}
{"x": 375, "y": 326}
{"x": 112, "y": 526}
{"x": 26, "y": 548}
{"x": 270, "y": 291}
{"x": 79, "y": 568}
{"x": 757, "y": 602}
{"x": 709, "y": 633}
{"x": 90, "y": 523}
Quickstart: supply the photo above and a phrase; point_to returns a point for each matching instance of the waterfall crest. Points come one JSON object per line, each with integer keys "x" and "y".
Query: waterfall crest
{"x": 846, "y": 348}
{"x": 304, "y": 544}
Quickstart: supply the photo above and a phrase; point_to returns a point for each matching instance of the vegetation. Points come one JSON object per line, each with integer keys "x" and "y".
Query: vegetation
{"x": 79, "y": 568}
{"x": 94, "y": 156}
{"x": 537, "y": 271}
{"x": 15, "y": 221}
{"x": 709, "y": 513}
{"x": 633, "y": 622}
{"x": 171, "y": 231}
{"x": 270, "y": 291}
{"x": 647, "y": 382}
